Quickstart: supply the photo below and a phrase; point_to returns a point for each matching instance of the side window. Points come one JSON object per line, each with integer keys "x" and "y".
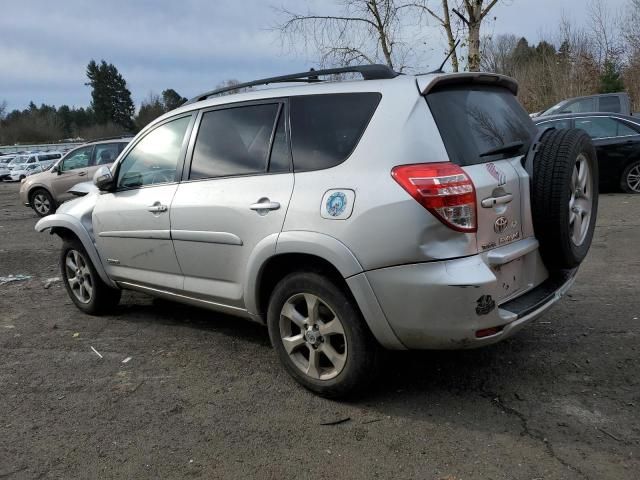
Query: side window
{"x": 610, "y": 104}
{"x": 122, "y": 146}
{"x": 585, "y": 105}
{"x": 155, "y": 158}
{"x": 598, "y": 127}
{"x": 326, "y": 128}
{"x": 625, "y": 130}
{"x": 280, "y": 160}
{"x": 233, "y": 141}
{"x": 105, "y": 153}
{"x": 559, "y": 124}
{"x": 77, "y": 159}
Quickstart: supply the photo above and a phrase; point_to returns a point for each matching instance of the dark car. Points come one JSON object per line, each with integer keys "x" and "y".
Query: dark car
{"x": 617, "y": 141}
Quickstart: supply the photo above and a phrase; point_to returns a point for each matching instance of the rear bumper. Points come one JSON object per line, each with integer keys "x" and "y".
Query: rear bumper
{"x": 452, "y": 304}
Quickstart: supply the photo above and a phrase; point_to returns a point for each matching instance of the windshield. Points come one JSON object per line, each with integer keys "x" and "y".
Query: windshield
{"x": 18, "y": 160}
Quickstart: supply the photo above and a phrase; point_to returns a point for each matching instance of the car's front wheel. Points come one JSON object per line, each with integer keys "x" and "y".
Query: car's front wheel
{"x": 320, "y": 335}
{"x": 630, "y": 181}
{"x": 82, "y": 282}
{"x": 42, "y": 202}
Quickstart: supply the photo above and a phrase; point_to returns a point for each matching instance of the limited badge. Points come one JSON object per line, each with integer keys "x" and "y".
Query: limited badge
{"x": 337, "y": 204}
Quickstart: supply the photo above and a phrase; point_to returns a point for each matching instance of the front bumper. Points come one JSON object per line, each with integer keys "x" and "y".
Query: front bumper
{"x": 466, "y": 302}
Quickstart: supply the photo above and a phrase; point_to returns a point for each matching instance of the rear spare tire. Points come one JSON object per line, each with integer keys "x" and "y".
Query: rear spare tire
{"x": 564, "y": 197}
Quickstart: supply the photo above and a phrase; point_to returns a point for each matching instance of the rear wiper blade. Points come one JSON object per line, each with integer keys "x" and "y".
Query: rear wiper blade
{"x": 506, "y": 148}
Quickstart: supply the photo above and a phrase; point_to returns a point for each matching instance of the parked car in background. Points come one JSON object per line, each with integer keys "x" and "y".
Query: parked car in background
{"x": 44, "y": 159}
{"x": 5, "y": 168}
{"x": 395, "y": 212}
{"x": 45, "y": 191}
{"x": 617, "y": 142}
{"x": 24, "y": 170}
{"x": 606, "y": 102}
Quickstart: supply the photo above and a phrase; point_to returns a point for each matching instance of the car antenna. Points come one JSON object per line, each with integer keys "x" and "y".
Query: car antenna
{"x": 439, "y": 69}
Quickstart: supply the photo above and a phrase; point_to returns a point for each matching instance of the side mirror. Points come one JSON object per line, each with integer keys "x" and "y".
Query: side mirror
{"x": 54, "y": 169}
{"x": 103, "y": 178}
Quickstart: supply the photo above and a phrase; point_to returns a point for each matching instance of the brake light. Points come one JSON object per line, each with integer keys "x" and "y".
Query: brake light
{"x": 442, "y": 188}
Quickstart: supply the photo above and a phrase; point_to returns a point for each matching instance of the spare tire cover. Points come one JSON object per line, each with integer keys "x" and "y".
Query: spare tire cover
{"x": 564, "y": 197}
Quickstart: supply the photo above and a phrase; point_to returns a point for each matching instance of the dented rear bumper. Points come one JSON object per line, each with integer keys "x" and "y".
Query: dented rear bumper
{"x": 467, "y": 302}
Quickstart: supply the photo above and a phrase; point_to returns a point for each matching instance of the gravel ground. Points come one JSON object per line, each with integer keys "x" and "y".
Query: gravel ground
{"x": 203, "y": 394}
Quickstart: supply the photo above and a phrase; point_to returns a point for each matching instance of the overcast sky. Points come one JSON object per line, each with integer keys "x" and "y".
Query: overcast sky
{"x": 187, "y": 45}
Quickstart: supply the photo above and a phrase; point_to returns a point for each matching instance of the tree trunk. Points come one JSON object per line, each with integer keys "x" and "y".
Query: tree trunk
{"x": 474, "y": 47}
{"x": 450, "y": 39}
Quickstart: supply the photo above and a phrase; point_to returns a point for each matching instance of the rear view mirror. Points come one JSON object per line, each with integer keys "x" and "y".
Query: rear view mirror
{"x": 103, "y": 179}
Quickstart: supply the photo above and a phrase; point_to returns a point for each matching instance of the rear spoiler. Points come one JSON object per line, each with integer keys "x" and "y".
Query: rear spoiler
{"x": 426, "y": 84}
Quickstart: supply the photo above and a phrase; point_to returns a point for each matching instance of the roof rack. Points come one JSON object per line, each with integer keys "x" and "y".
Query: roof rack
{"x": 368, "y": 72}
{"x": 116, "y": 137}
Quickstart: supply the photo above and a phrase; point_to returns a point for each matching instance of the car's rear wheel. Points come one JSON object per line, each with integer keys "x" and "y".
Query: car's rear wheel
{"x": 320, "y": 336}
{"x": 630, "y": 180}
{"x": 42, "y": 202}
{"x": 564, "y": 197}
{"x": 83, "y": 284}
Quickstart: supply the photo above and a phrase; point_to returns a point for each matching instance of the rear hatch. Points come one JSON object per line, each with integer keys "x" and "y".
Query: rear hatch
{"x": 486, "y": 132}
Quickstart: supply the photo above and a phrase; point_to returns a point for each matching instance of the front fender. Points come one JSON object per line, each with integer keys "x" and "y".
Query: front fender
{"x": 73, "y": 224}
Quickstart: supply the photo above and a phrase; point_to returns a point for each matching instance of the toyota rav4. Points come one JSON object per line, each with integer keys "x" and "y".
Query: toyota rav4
{"x": 393, "y": 212}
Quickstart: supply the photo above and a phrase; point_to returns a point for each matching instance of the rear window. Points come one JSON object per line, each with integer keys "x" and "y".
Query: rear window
{"x": 475, "y": 120}
{"x": 326, "y": 128}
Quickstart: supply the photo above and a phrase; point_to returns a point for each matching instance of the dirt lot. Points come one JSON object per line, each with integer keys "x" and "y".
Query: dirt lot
{"x": 204, "y": 396}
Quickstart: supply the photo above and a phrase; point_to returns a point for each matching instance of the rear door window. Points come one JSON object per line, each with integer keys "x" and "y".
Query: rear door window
{"x": 475, "y": 120}
{"x": 610, "y": 104}
{"x": 325, "y": 129}
{"x": 234, "y": 141}
{"x": 105, "y": 153}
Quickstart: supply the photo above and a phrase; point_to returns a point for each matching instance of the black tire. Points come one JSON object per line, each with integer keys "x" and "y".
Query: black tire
{"x": 42, "y": 198}
{"x": 102, "y": 299}
{"x": 560, "y": 153}
{"x": 361, "y": 350}
{"x": 630, "y": 179}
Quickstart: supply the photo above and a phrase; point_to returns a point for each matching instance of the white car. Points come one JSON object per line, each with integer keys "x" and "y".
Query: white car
{"x": 23, "y": 171}
{"x": 44, "y": 159}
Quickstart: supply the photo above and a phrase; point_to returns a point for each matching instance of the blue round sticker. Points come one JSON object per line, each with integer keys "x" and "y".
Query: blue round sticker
{"x": 336, "y": 204}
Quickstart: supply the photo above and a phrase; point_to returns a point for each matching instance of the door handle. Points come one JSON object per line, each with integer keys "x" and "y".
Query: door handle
{"x": 82, "y": 174}
{"x": 157, "y": 208}
{"x": 501, "y": 200}
{"x": 264, "y": 204}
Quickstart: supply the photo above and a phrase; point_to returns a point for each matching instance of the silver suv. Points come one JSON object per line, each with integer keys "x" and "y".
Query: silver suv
{"x": 403, "y": 212}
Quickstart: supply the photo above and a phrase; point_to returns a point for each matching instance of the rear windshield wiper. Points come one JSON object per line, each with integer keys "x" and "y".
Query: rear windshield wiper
{"x": 506, "y": 148}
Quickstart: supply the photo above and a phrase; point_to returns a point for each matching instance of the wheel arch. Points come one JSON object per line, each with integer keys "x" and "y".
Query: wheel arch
{"x": 66, "y": 226}
{"x": 278, "y": 255}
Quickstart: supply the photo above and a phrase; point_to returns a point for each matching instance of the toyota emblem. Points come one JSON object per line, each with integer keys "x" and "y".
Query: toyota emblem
{"x": 501, "y": 224}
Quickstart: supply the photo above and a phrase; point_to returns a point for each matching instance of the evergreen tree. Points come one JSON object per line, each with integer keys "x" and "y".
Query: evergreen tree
{"x": 110, "y": 97}
{"x": 172, "y": 99}
{"x": 610, "y": 79}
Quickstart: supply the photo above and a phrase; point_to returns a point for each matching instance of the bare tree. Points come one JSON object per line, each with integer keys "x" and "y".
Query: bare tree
{"x": 605, "y": 33}
{"x": 475, "y": 14}
{"x": 345, "y": 38}
{"x": 444, "y": 19}
{"x": 497, "y": 54}
{"x": 3, "y": 109}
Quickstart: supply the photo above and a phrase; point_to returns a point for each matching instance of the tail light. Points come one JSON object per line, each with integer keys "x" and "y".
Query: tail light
{"x": 442, "y": 188}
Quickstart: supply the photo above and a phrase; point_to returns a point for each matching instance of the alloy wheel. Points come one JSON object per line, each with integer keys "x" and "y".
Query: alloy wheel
{"x": 580, "y": 201}
{"x": 79, "y": 276}
{"x": 633, "y": 178}
{"x": 313, "y": 336}
{"x": 41, "y": 203}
